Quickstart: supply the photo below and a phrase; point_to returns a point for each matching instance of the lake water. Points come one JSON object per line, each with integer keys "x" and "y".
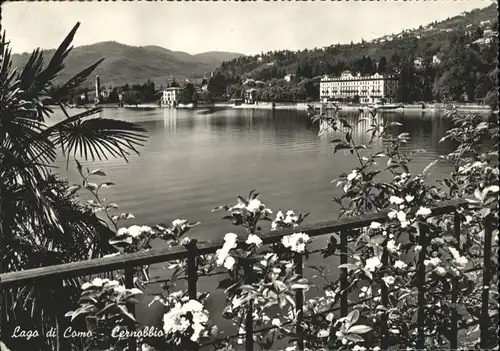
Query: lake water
{"x": 195, "y": 160}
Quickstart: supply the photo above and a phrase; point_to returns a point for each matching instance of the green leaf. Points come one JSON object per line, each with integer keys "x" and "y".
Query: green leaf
{"x": 352, "y": 318}
{"x": 97, "y": 172}
{"x": 126, "y": 312}
{"x": 224, "y": 284}
{"x": 354, "y": 337}
{"x": 359, "y": 329}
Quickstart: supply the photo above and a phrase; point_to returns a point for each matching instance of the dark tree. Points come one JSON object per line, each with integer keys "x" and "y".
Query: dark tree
{"x": 382, "y": 65}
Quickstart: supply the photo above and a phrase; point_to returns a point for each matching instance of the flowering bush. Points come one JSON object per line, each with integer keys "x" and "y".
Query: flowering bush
{"x": 103, "y": 306}
{"x": 390, "y": 262}
{"x": 184, "y": 325}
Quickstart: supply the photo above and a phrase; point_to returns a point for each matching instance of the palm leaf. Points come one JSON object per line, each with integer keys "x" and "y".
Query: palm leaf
{"x": 100, "y": 137}
{"x": 71, "y": 85}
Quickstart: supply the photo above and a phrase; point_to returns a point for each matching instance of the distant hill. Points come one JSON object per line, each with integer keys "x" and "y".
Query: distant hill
{"x": 424, "y": 41}
{"x": 130, "y": 64}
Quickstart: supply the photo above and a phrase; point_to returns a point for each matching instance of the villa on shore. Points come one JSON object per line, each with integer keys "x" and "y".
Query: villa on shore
{"x": 369, "y": 89}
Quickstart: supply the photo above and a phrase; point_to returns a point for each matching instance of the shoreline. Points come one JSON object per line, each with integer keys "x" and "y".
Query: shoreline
{"x": 345, "y": 107}
{"x": 302, "y": 106}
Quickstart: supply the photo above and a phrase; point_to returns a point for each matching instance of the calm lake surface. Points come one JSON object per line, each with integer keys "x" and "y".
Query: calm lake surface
{"x": 195, "y": 160}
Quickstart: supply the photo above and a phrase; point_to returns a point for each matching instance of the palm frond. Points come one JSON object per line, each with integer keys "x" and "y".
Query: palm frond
{"x": 54, "y": 129}
{"x": 101, "y": 137}
{"x": 36, "y": 80}
{"x": 71, "y": 85}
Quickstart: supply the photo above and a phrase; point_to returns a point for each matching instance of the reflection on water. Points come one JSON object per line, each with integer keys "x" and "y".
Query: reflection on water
{"x": 195, "y": 160}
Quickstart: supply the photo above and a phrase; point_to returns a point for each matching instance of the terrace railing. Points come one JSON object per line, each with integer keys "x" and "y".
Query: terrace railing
{"x": 157, "y": 255}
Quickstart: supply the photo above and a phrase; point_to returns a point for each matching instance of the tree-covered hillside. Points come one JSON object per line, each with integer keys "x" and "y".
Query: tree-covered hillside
{"x": 465, "y": 62}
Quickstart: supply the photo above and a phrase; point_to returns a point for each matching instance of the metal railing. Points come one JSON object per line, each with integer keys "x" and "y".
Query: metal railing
{"x": 157, "y": 255}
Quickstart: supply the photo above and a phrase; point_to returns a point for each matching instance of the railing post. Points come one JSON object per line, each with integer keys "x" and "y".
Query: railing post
{"x": 343, "y": 274}
{"x": 421, "y": 288}
{"x": 129, "y": 284}
{"x": 299, "y": 302}
{"x": 454, "y": 292}
{"x": 485, "y": 317}
{"x": 384, "y": 342}
{"x": 192, "y": 269}
{"x": 249, "y": 328}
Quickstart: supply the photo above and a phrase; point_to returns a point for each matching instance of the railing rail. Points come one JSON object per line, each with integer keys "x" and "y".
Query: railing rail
{"x": 157, "y": 255}
{"x": 165, "y": 254}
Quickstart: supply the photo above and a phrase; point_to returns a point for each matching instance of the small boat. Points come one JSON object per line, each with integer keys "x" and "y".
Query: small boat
{"x": 190, "y": 105}
{"x": 387, "y": 106}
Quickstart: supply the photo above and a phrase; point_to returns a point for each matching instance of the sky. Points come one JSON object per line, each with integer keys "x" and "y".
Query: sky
{"x": 243, "y": 27}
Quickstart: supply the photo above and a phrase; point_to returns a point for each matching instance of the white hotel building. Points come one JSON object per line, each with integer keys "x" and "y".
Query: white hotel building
{"x": 370, "y": 89}
{"x": 170, "y": 96}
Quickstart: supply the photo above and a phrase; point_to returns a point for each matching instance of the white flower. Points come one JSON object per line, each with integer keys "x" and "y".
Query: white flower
{"x": 221, "y": 256}
{"x": 120, "y": 289}
{"x": 296, "y": 242}
{"x": 391, "y": 246}
{"x": 185, "y": 241}
{"x": 396, "y": 200}
{"x": 254, "y": 239}
{"x": 461, "y": 261}
{"x": 373, "y": 263}
{"x": 99, "y": 281}
{"x": 236, "y": 302}
{"x": 417, "y": 248}
{"x": 389, "y": 280}
{"x": 229, "y": 262}
{"x": 409, "y": 198}
{"x": 323, "y": 333}
{"x": 86, "y": 286}
{"x": 276, "y": 322}
{"x": 358, "y": 348}
{"x": 434, "y": 261}
{"x": 122, "y": 231}
{"x": 178, "y": 222}
{"x": 230, "y": 238}
{"x": 177, "y": 321}
{"x": 423, "y": 211}
{"x": 393, "y": 214}
{"x": 329, "y": 317}
{"x": 329, "y": 293}
{"x": 254, "y": 205}
{"x": 375, "y": 225}
{"x": 290, "y": 219}
{"x": 458, "y": 260}
{"x": 437, "y": 241}
{"x": 136, "y": 231}
{"x": 400, "y": 264}
{"x": 352, "y": 175}
{"x": 440, "y": 270}
{"x": 402, "y": 219}
{"x": 112, "y": 283}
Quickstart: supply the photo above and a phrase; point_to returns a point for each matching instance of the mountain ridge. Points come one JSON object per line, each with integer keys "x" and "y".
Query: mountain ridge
{"x": 127, "y": 64}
